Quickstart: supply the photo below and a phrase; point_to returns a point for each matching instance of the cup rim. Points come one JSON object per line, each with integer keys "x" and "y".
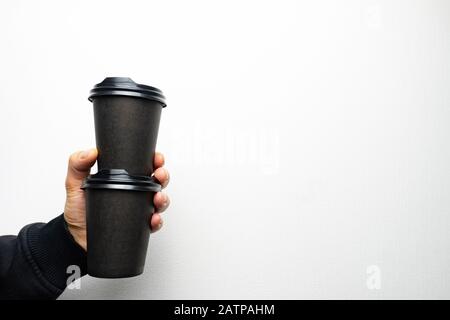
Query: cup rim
{"x": 124, "y": 86}
{"x": 120, "y": 179}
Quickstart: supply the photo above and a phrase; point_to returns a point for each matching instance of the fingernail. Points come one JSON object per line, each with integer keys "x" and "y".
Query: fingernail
{"x": 167, "y": 175}
{"x": 160, "y": 224}
{"x": 84, "y": 154}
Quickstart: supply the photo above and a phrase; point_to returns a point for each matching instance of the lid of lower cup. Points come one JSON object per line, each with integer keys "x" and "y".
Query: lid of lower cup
{"x": 122, "y": 86}
{"x": 120, "y": 179}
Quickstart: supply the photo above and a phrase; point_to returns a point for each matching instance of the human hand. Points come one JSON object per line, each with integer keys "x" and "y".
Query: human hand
{"x": 79, "y": 167}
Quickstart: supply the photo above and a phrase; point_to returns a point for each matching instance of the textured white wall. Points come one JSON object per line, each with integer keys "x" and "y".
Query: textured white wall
{"x": 307, "y": 141}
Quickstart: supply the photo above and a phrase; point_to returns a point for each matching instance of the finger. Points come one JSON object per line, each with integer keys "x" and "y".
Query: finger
{"x": 162, "y": 175}
{"x": 161, "y": 201}
{"x": 158, "y": 160}
{"x": 80, "y": 164}
{"x": 156, "y": 222}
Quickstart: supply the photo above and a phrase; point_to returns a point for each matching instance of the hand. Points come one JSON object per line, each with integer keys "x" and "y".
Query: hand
{"x": 80, "y": 164}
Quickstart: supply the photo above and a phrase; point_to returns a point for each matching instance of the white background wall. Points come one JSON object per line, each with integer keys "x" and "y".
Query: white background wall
{"x": 307, "y": 141}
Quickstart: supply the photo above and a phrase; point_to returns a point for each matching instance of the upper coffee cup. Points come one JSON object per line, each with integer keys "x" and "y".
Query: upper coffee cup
{"x": 127, "y": 116}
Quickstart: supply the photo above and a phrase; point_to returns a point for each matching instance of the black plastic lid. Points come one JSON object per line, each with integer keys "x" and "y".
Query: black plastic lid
{"x": 120, "y": 179}
{"x": 122, "y": 86}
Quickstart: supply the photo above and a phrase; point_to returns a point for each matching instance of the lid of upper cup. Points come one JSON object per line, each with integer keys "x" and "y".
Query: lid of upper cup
{"x": 122, "y": 86}
{"x": 120, "y": 179}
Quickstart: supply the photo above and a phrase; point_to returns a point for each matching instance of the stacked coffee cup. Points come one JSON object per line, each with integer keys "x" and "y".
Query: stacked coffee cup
{"x": 119, "y": 198}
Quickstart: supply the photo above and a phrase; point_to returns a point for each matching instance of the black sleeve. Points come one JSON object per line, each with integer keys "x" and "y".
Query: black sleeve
{"x": 33, "y": 265}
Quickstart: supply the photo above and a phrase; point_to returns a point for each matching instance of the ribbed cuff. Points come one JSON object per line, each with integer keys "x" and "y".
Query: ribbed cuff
{"x": 52, "y": 250}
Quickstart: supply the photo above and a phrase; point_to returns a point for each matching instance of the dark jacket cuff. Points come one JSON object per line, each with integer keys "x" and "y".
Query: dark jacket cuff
{"x": 51, "y": 251}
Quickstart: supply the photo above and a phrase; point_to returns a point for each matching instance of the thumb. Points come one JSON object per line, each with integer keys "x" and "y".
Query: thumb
{"x": 80, "y": 164}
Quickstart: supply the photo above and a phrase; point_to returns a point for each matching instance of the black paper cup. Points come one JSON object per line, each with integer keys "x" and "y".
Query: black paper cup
{"x": 118, "y": 211}
{"x": 127, "y": 117}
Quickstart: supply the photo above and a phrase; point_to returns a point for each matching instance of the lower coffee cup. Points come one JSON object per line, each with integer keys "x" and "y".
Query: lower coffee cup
{"x": 119, "y": 207}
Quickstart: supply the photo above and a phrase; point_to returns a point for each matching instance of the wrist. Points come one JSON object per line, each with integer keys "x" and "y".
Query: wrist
{"x": 78, "y": 234}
